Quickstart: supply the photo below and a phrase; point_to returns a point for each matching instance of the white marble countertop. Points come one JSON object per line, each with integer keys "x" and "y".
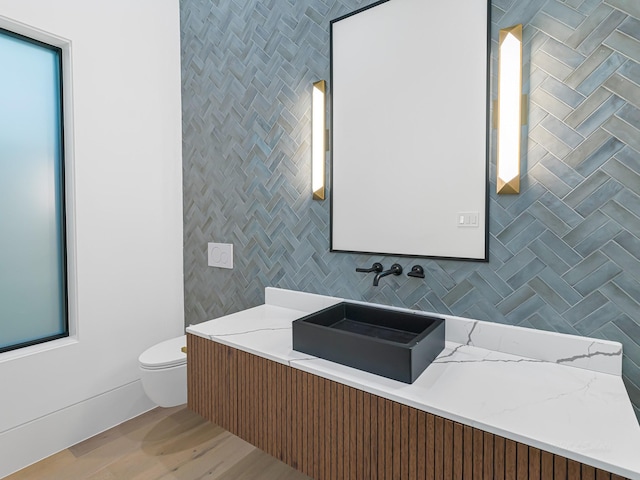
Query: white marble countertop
{"x": 560, "y": 393}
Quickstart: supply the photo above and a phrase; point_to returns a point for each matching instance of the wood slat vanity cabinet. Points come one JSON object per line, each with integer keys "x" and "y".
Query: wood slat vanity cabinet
{"x": 328, "y": 430}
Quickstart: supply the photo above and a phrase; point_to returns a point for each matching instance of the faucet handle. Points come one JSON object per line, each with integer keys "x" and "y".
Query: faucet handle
{"x": 396, "y": 269}
{"x": 416, "y": 271}
{"x": 376, "y": 267}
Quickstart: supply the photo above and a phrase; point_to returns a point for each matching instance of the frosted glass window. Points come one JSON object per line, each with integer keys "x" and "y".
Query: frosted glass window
{"x": 33, "y": 291}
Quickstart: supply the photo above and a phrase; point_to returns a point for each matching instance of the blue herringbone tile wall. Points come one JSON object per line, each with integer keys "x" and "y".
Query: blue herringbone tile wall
{"x": 564, "y": 254}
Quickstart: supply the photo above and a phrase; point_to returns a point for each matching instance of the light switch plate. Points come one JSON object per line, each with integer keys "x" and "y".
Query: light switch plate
{"x": 468, "y": 219}
{"x": 220, "y": 255}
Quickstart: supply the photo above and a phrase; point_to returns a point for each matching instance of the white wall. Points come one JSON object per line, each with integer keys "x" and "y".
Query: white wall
{"x": 127, "y": 204}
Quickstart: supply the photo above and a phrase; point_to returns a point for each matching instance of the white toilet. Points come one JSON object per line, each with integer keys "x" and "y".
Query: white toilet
{"x": 163, "y": 372}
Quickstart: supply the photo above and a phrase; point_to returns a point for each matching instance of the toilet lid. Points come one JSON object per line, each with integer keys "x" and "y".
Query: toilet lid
{"x": 165, "y": 354}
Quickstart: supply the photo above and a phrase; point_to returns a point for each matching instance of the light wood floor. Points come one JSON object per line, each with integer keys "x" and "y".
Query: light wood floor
{"x": 165, "y": 443}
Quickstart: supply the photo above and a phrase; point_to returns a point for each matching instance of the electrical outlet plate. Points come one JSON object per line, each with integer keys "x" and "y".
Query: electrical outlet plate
{"x": 220, "y": 255}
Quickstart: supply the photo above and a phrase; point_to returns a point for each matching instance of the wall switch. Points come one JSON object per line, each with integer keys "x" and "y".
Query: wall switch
{"x": 468, "y": 219}
{"x": 220, "y": 255}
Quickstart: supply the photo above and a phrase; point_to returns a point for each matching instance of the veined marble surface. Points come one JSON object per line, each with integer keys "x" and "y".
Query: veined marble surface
{"x": 515, "y": 382}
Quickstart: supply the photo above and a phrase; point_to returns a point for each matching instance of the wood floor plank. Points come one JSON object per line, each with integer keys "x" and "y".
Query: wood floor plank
{"x": 51, "y": 464}
{"x": 148, "y": 418}
{"x": 161, "y": 444}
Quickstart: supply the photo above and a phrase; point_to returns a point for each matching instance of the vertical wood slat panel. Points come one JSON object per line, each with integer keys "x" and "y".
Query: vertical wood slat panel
{"x": 215, "y": 384}
{"x": 288, "y": 413}
{"x": 396, "y": 444}
{"x": 448, "y": 450}
{"x": 467, "y": 467}
{"x": 573, "y": 470}
{"x": 546, "y": 469}
{"x": 345, "y": 433}
{"x": 302, "y": 418}
{"x": 255, "y": 399}
{"x": 523, "y": 461}
{"x": 412, "y": 442}
{"x": 438, "y": 456}
{"x": 404, "y": 441}
{"x": 309, "y": 414}
{"x": 388, "y": 437}
{"x": 225, "y": 386}
{"x": 301, "y": 421}
{"x": 329, "y": 439}
{"x": 422, "y": 445}
{"x": 559, "y": 468}
{"x": 488, "y": 456}
{"x": 338, "y": 421}
{"x": 534, "y": 464}
{"x": 498, "y": 458}
{"x": 366, "y": 435}
{"x": 233, "y": 387}
{"x": 273, "y": 409}
{"x": 316, "y": 426}
{"x": 248, "y": 386}
{"x": 458, "y": 451}
{"x": 353, "y": 434}
{"x": 264, "y": 405}
{"x": 283, "y": 419}
{"x": 335, "y": 452}
{"x": 431, "y": 447}
{"x": 374, "y": 438}
{"x": 382, "y": 448}
{"x": 510, "y": 460}
{"x": 359, "y": 415}
{"x": 588, "y": 473}
{"x": 272, "y": 378}
{"x": 478, "y": 449}
{"x": 240, "y": 390}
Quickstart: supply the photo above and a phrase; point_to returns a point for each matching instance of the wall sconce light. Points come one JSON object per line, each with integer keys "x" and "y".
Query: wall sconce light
{"x": 318, "y": 139}
{"x": 509, "y": 108}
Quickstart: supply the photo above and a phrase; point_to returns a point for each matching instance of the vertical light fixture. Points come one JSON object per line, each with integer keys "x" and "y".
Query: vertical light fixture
{"x": 509, "y": 109}
{"x": 318, "y": 139}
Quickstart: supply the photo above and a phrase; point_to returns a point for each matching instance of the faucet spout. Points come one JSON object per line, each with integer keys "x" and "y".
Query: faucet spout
{"x": 394, "y": 270}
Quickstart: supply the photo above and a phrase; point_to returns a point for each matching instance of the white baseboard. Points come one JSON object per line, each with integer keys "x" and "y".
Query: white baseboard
{"x": 33, "y": 441}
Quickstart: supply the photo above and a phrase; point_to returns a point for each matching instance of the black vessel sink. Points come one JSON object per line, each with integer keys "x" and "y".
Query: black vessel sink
{"x": 390, "y": 343}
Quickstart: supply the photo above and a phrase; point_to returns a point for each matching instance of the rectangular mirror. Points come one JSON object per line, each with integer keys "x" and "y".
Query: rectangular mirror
{"x": 409, "y": 129}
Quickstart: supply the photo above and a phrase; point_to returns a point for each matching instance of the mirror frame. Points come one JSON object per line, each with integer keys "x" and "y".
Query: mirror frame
{"x": 488, "y": 126}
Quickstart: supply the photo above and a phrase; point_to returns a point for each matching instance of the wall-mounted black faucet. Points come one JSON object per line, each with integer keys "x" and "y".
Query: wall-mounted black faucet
{"x": 394, "y": 270}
